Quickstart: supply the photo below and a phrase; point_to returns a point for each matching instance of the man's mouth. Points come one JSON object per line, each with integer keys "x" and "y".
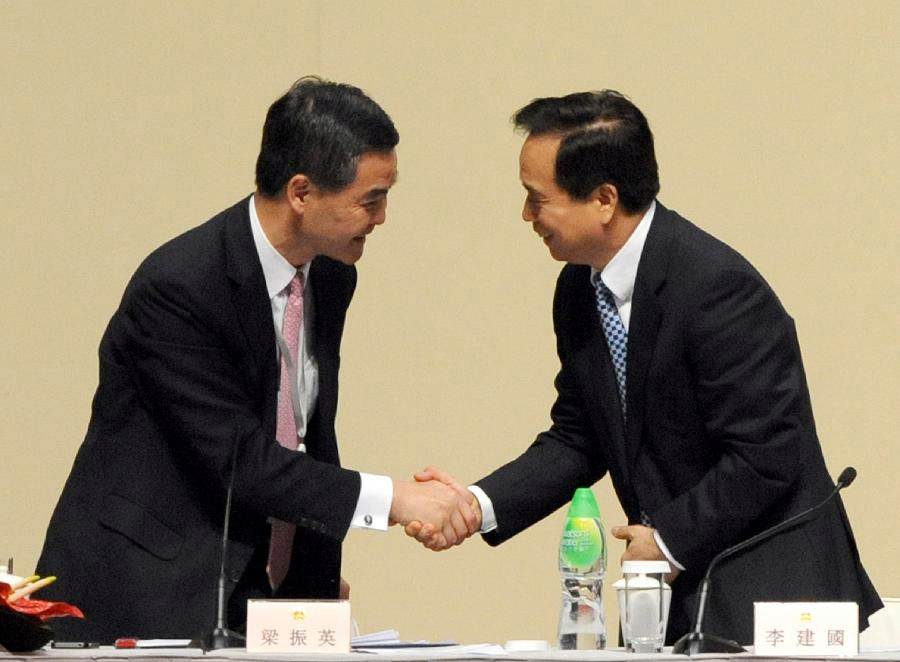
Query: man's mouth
{"x": 543, "y": 234}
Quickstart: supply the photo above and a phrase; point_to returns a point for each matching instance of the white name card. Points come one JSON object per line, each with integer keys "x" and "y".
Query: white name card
{"x": 805, "y": 628}
{"x": 299, "y": 627}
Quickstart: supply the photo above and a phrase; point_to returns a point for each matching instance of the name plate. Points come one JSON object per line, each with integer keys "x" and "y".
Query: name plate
{"x": 805, "y": 628}
{"x": 299, "y": 627}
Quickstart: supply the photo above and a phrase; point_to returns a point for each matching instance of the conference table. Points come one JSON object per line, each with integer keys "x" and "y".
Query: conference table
{"x": 110, "y": 654}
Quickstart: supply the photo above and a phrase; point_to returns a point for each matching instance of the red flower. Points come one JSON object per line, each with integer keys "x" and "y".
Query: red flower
{"x": 42, "y": 609}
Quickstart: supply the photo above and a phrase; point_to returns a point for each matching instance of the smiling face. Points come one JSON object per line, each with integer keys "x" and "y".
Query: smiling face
{"x": 336, "y": 223}
{"x": 573, "y": 230}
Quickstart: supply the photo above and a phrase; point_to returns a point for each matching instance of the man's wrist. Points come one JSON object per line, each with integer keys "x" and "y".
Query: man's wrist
{"x": 376, "y": 494}
{"x": 487, "y": 518}
{"x": 665, "y": 550}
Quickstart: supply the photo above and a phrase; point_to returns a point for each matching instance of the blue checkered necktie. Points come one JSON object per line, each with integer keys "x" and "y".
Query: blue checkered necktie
{"x": 616, "y": 335}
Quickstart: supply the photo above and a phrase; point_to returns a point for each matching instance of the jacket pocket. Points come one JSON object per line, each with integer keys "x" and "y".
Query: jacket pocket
{"x": 141, "y": 527}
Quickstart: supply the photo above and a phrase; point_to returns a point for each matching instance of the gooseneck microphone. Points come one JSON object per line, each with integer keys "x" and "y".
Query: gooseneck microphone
{"x": 696, "y": 641}
{"x": 221, "y": 636}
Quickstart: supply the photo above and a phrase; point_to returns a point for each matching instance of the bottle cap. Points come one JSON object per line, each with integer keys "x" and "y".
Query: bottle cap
{"x": 584, "y": 504}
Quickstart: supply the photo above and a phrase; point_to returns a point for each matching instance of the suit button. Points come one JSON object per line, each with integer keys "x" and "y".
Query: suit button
{"x": 368, "y": 520}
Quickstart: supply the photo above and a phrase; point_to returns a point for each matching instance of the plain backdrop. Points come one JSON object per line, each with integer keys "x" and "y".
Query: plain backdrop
{"x": 125, "y": 123}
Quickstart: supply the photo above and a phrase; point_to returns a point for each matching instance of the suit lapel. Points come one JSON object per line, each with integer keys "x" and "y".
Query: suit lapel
{"x": 328, "y": 311}
{"x": 644, "y": 325}
{"x": 325, "y": 301}
{"x": 252, "y": 308}
{"x": 599, "y": 375}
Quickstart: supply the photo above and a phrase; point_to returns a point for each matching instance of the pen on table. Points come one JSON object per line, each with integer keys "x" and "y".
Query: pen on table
{"x": 30, "y": 588}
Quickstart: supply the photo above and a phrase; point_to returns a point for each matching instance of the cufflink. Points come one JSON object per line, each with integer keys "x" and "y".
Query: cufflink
{"x": 368, "y": 520}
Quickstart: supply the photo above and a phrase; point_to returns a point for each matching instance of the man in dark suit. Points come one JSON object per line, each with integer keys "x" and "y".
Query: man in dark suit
{"x": 680, "y": 376}
{"x": 226, "y": 339}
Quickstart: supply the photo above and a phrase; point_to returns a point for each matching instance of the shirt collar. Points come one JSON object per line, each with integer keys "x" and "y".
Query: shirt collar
{"x": 621, "y": 271}
{"x": 277, "y": 271}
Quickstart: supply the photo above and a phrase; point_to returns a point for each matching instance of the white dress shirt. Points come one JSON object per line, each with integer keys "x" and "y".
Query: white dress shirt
{"x": 376, "y": 492}
{"x": 619, "y": 276}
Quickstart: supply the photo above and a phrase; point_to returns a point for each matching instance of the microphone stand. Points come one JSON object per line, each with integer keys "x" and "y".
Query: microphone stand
{"x": 696, "y": 641}
{"x": 221, "y": 636}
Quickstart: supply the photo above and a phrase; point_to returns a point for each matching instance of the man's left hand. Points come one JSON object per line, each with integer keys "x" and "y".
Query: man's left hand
{"x": 641, "y": 546}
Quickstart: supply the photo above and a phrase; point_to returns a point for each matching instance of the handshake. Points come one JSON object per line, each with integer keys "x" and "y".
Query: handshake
{"x": 435, "y": 509}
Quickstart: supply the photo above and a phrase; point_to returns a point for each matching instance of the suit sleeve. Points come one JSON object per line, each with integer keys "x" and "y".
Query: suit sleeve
{"x": 752, "y": 396}
{"x": 195, "y": 386}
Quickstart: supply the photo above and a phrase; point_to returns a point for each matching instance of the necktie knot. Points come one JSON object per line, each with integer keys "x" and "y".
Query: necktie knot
{"x": 295, "y": 287}
{"x": 603, "y": 292}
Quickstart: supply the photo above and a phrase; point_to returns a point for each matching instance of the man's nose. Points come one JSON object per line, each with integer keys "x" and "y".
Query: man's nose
{"x": 527, "y": 215}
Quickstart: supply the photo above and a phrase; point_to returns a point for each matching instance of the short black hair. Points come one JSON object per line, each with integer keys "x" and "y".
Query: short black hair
{"x": 320, "y": 129}
{"x": 605, "y": 139}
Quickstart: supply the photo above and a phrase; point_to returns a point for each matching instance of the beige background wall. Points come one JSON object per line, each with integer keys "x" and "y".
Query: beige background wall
{"x": 125, "y": 123}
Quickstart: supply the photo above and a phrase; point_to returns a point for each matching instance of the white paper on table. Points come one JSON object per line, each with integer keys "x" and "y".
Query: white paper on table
{"x": 162, "y": 643}
{"x": 475, "y": 650}
{"x": 382, "y": 637}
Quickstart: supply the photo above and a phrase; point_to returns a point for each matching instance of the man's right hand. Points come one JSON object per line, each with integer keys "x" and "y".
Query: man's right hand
{"x": 435, "y": 510}
{"x": 428, "y": 534}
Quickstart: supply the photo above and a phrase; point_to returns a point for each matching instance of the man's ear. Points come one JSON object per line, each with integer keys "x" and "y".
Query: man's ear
{"x": 606, "y": 199}
{"x": 297, "y": 191}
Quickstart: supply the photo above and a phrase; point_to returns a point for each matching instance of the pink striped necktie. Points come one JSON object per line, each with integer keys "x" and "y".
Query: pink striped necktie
{"x": 286, "y": 431}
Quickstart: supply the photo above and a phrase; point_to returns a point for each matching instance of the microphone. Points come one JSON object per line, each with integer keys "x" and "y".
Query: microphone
{"x": 696, "y": 641}
{"x": 221, "y": 636}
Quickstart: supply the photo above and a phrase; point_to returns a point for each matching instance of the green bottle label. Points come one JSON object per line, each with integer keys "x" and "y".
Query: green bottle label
{"x": 582, "y": 543}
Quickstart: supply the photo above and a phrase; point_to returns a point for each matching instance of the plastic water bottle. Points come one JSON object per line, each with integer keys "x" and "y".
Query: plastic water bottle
{"x": 582, "y": 567}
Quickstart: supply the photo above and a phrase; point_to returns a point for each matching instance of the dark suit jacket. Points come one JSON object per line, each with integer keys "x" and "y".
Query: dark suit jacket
{"x": 188, "y": 369}
{"x": 720, "y": 441}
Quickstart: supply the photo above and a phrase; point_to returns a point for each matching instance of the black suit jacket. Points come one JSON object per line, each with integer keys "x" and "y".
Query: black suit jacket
{"x": 188, "y": 369}
{"x": 719, "y": 443}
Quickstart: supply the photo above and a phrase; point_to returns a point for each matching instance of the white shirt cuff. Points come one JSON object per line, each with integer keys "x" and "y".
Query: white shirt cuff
{"x": 374, "y": 505}
{"x": 488, "y": 517}
{"x": 665, "y": 550}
